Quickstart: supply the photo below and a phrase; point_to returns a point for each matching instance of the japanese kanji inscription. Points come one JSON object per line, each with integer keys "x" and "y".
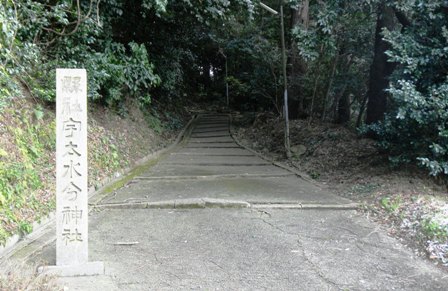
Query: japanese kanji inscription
{"x": 71, "y": 178}
{"x": 71, "y": 167}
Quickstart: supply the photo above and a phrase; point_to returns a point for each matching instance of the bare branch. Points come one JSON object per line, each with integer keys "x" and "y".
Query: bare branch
{"x": 79, "y": 20}
{"x": 98, "y": 12}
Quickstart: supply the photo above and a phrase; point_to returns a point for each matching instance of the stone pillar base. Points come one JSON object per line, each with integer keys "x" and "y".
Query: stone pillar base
{"x": 87, "y": 269}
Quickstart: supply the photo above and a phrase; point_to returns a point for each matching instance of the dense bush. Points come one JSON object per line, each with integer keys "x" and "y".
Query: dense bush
{"x": 38, "y": 38}
{"x": 416, "y": 126}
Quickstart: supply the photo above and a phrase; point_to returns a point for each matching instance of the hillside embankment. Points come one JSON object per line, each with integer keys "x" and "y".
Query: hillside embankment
{"x": 27, "y": 153}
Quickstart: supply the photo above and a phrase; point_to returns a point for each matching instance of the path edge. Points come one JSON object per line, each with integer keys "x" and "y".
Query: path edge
{"x": 17, "y": 242}
{"x": 295, "y": 171}
{"x": 282, "y": 165}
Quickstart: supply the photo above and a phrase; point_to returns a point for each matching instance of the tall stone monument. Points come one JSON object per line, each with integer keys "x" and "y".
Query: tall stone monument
{"x": 71, "y": 177}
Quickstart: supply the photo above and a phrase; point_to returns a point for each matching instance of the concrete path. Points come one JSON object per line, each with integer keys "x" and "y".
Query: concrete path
{"x": 210, "y": 165}
{"x": 214, "y": 216}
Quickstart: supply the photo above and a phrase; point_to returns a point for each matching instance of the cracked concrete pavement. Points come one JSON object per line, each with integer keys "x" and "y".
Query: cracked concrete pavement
{"x": 240, "y": 248}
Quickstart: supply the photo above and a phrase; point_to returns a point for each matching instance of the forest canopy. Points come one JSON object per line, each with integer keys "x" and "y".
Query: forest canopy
{"x": 377, "y": 65}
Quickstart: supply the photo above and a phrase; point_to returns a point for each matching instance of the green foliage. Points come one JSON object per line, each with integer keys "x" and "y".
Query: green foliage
{"x": 42, "y": 37}
{"x": 25, "y": 227}
{"x": 335, "y": 51}
{"x": 323, "y": 34}
{"x": 172, "y": 122}
{"x": 436, "y": 227}
{"x": 254, "y": 62}
{"x": 21, "y": 170}
{"x": 158, "y": 5}
{"x": 8, "y": 88}
{"x": 240, "y": 90}
{"x": 391, "y": 204}
{"x": 415, "y": 128}
{"x": 115, "y": 74}
{"x": 314, "y": 175}
{"x": 183, "y": 42}
{"x": 129, "y": 48}
{"x": 15, "y": 180}
{"x": 154, "y": 122}
{"x": 138, "y": 73}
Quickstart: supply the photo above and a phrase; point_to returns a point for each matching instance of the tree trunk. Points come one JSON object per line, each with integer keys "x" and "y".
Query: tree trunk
{"x": 344, "y": 108}
{"x": 296, "y": 110}
{"x": 341, "y": 107}
{"x": 381, "y": 69}
{"x": 361, "y": 112}
{"x": 330, "y": 84}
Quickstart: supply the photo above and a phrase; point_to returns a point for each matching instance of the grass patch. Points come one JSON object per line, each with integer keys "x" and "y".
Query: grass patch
{"x": 391, "y": 204}
{"x": 435, "y": 225}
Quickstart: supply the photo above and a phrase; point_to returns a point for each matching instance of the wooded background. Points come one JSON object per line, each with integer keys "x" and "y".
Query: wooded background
{"x": 376, "y": 65}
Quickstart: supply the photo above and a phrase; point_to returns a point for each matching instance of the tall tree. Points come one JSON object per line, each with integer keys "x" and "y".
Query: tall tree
{"x": 381, "y": 68}
{"x": 299, "y": 16}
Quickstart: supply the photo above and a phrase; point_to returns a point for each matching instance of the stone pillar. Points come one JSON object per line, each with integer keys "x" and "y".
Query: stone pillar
{"x": 71, "y": 176}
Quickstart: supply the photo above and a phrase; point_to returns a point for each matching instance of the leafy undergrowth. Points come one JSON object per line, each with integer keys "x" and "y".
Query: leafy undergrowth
{"x": 27, "y": 144}
{"x": 405, "y": 200}
{"x": 27, "y": 154}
